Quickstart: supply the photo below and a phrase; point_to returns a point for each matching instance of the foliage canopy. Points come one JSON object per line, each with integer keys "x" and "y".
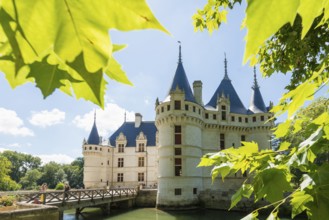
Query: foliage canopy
{"x": 296, "y": 40}
{"x": 65, "y": 44}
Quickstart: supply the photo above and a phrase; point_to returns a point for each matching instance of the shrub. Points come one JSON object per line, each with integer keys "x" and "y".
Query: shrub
{"x": 59, "y": 186}
{"x": 7, "y": 200}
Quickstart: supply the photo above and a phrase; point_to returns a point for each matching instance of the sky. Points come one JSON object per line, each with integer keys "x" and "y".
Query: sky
{"x": 54, "y": 128}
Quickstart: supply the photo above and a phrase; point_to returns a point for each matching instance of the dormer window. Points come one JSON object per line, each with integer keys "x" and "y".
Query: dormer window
{"x": 177, "y": 105}
{"x": 223, "y": 108}
{"x": 121, "y": 148}
{"x": 141, "y": 147}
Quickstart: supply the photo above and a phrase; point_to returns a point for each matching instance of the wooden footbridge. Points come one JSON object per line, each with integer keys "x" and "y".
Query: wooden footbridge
{"x": 79, "y": 199}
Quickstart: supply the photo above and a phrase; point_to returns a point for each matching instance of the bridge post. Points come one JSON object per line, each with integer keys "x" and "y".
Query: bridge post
{"x": 61, "y": 215}
{"x": 106, "y": 208}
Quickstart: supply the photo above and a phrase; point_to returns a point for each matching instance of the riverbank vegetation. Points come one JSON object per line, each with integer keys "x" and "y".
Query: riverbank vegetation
{"x": 21, "y": 171}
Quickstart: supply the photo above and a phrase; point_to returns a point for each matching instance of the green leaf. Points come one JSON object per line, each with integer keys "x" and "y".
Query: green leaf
{"x": 263, "y": 20}
{"x": 284, "y": 146}
{"x": 92, "y": 86}
{"x": 309, "y": 10}
{"x": 51, "y": 78}
{"x": 115, "y": 72}
{"x": 282, "y": 129}
{"x": 322, "y": 119}
{"x": 244, "y": 191}
{"x": 271, "y": 184}
{"x": 273, "y": 216}
{"x": 206, "y": 162}
{"x": 298, "y": 201}
{"x": 223, "y": 169}
{"x": 251, "y": 216}
{"x": 307, "y": 182}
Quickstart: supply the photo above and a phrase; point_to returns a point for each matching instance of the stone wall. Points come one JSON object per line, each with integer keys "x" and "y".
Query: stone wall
{"x": 31, "y": 212}
{"x": 146, "y": 198}
{"x": 217, "y": 199}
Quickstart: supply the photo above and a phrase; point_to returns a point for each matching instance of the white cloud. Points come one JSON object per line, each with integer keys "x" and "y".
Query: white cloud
{"x": 47, "y": 118}
{"x": 11, "y": 124}
{"x": 107, "y": 120}
{"x": 58, "y": 158}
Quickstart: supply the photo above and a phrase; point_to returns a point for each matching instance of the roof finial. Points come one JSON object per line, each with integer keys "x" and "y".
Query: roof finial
{"x": 95, "y": 116}
{"x": 225, "y": 67}
{"x": 255, "y": 80}
{"x": 180, "y": 52}
{"x": 125, "y": 116}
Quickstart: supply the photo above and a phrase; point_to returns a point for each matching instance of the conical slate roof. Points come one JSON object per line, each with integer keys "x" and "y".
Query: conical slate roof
{"x": 93, "y": 136}
{"x": 256, "y": 102}
{"x": 180, "y": 81}
{"x": 226, "y": 88}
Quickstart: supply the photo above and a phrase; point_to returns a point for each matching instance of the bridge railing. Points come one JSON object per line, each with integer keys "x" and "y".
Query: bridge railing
{"x": 77, "y": 195}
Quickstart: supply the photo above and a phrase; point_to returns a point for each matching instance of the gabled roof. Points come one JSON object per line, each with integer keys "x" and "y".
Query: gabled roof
{"x": 226, "y": 88}
{"x": 180, "y": 81}
{"x": 256, "y": 102}
{"x": 131, "y": 132}
{"x": 93, "y": 136}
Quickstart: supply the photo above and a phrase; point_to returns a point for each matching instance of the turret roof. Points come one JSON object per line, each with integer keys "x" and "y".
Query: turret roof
{"x": 226, "y": 88}
{"x": 93, "y": 136}
{"x": 131, "y": 132}
{"x": 256, "y": 102}
{"x": 180, "y": 80}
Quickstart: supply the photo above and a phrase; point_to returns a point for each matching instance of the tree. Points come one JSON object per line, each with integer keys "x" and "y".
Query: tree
{"x": 71, "y": 52}
{"x": 6, "y": 183}
{"x": 29, "y": 181}
{"x": 296, "y": 40}
{"x": 21, "y": 163}
{"x": 52, "y": 173}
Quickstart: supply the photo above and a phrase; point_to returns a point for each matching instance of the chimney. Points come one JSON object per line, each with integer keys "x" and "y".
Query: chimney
{"x": 138, "y": 120}
{"x": 197, "y": 89}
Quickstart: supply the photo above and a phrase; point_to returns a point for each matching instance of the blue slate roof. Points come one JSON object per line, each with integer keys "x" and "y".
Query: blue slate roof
{"x": 131, "y": 133}
{"x": 256, "y": 102}
{"x": 226, "y": 88}
{"x": 180, "y": 81}
{"x": 93, "y": 136}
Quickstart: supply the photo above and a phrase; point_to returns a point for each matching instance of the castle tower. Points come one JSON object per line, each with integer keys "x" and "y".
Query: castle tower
{"x": 179, "y": 123}
{"x": 95, "y": 160}
{"x": 260, "y": 114}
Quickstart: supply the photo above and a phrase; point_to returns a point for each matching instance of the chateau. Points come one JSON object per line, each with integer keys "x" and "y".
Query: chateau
{"x": 164, "y": 153}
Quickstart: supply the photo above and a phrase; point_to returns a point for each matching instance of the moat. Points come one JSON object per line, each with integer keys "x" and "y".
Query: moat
{"x": 155, "y": 214}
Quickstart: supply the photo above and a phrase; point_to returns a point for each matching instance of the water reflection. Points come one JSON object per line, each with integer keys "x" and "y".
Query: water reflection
{"x": 154, "y": 214}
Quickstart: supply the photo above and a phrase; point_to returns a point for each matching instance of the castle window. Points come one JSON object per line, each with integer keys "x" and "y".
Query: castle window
{"x": 141, "y": 147}
{"x": 193, "y": 108}
{"x": 195, "y": 191}
{"x": 121, "y": 148}
{"x": 207, "y": 115}
{"x": 243, "y": 137}
{"x": 178, "y": 134}
{"x": 178, "y": 191}
{"x": 140, "y": 177}
{"x": 120, "y": 177}
{"x": 178, "y": 166}
{"x": 199, "y": 112}
{"x": 90, "y": 148}
{"x": 85, "y": 148}
{"x": 120, "y": 162}
{"x": 95, "y": 148}
{"x": 162, "y": 109}
{"x": 140, "y": 161}
{"x": 178, "y": 151}
{"x": 158, "y": 111}
{"x": 246, "y": 120}
{"x": 108, "y": 162}
{"x": 262, "y": 118}
{"x": 222, "y": 141}
{"x": 232, "y": 118}
{"x": 100, "y": 149}
{"x": 254, "y": 119}
{"x": 108, "y": 150}
{"x": 186, "y": 107}
{"x": 168, "y": 107}
{"x": 214, "y": 116}
{"x": 177, "y": 105}
{"x": 240, "y": 119}
{"x": 223, "y": 112}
